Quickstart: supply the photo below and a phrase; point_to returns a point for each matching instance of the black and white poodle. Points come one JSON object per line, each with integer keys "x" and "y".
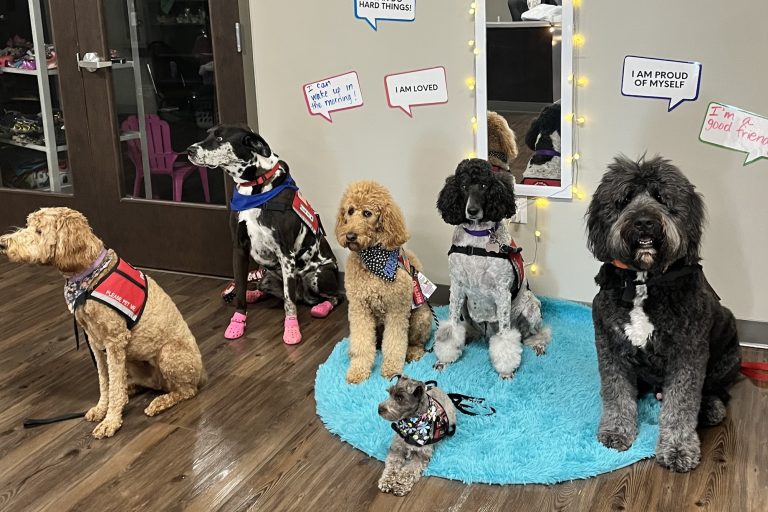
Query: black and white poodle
{"x": 543, "y": 138}
{"x": 659, "y": 326}
{"x": 489, "y": 292}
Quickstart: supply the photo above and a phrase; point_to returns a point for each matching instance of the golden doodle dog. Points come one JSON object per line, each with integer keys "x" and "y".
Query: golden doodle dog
{"x": 138, "y": 336}
{"x": 379, "y": 282}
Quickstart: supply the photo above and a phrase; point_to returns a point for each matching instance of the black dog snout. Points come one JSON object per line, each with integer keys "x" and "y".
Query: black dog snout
{"x": 382, "y": 409}
{"x": 351, "y": 237}
{"x": 645, "y": 224}
{"x": 192, "y": 150}
{"x": 472, "y": 210}
{"x": 3, "y": 246}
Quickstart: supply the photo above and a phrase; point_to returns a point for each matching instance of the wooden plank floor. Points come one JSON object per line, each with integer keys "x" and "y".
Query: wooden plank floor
{"x": 251, "y": 439}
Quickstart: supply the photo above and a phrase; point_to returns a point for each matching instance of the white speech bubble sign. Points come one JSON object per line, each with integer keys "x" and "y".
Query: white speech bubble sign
{"x": 373, "y": 11}
{"x": 419, "y": 87}
{"x": 673, "y": 80}
{"x": 340, "y": 92}
{"x": 736, "y": 129}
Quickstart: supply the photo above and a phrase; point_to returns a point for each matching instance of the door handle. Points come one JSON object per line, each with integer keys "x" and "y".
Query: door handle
{"x": 92, "y": 61}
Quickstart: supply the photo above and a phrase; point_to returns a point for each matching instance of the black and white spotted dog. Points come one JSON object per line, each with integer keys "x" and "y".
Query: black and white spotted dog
{"x": 659, "y": 326}
{"x": 272, "y": 224}
{"x": 489, "y": 291}
{"x": 543, "y": 138}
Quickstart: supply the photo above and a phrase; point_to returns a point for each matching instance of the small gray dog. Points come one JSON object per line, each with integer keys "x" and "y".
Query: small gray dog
{"x": 422, "y": 415}
{"x": 659, "y": 326}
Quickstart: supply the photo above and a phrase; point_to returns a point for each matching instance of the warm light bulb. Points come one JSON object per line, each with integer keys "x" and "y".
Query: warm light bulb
{"x": 580, "y": 195}
{"x": 477, "y": 51}
{"x": 471, "y": 42}
{"x": 575, "y": 189}
{"x": 541, "y": 202}
{"x": 551, "y": 29}
{"x": 570, "y": 78}
{"x": 470, "y": 83}
{"x": 534, "y": 268}
{"x": 472, "y": 12}
{"x": 577, "y": 3}
{"x": 576, "y": 156}
{"x": 582, "y": 81}
{"x": 569, "y": 116}
{"x": 578, "y": 40}
{"x": 537, "y": 233}
{"x": 471, "y": 154}
{"x": 581, "y": 120}
{"x": 473, "y": 5}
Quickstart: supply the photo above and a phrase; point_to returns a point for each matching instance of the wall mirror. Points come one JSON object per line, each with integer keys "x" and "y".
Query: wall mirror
{"x": 523, "y": 63}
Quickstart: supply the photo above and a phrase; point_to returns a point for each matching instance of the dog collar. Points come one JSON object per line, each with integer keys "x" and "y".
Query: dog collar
{"x": 546, "y": 152}
{"x": 677, "y": 270}
{"x": 88, "y": 271}
{"x": 427, "y": 428}
{"x": 261, "y": 179}
{"x": 481, "y": 232}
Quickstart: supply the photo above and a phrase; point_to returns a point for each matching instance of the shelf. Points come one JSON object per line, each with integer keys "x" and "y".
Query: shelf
{"x": 35, "y": 147}
{"x": 34, "y": 72}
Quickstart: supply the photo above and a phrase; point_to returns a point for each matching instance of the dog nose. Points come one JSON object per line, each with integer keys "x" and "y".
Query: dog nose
{"x": 191, "y": 150}
{"x": 382, "y": 409}
{"x": 473, "y": 210}
{"x": 3, "y": 247}
{"x": 645, "y": 223}
{"x": 351, "y": 237}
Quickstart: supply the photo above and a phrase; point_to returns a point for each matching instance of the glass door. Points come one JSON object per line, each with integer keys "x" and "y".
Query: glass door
{"x": 152, "y": 76}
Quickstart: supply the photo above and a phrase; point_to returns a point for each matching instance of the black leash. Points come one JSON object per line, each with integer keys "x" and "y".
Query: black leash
{"x": 38, "y": 422}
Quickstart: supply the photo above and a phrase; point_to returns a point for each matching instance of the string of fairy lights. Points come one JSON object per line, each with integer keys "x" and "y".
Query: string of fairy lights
{"x": 575, "y": 117}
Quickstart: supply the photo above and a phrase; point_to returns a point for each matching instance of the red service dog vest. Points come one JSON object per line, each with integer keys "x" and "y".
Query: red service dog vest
{"x": 124, "y": 289}
{"x": 306, "y": 213}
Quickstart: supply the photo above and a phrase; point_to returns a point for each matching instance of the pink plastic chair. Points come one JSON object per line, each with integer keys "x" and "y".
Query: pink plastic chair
{"x": 162, "y": 157}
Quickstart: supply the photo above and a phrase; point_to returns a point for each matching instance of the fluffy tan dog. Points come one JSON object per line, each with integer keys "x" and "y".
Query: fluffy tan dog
{"x": 159, "y": 352}
{"x": 371, "y": 225}
{"x": 502, "y": 143}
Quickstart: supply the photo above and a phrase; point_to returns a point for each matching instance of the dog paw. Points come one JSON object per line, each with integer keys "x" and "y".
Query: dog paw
{"x": 357, "y": 375}
{"x": 617, "y": 440}
{"x": 414, "y": 353}
{"x": 402, "y": 486}
{"x": 106, "y": 428}
{"x": 539, "y": 350}
{"x": 385, "y": 485}
{"x": 389, "y": 370}
{"x": 681, "y": 456}
{"x": 96, "y": 413}
{"x": 507, "y": 376}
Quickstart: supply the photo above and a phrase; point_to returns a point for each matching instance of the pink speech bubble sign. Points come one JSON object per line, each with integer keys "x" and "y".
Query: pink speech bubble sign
{"x": 418, "y": 87}
{"x": 333, "y": 94}
{"x": 736, "y": 129}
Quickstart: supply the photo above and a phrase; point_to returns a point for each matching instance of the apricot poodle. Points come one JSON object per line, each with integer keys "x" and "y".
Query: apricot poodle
{"x": 379, "y": 286}
{"x": 147, "y": 346}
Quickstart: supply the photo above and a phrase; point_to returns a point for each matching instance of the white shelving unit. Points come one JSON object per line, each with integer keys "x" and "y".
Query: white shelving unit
{"x": 46, "y": 109}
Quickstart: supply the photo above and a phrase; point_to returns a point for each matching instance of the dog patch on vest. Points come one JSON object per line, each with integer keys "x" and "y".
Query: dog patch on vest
{"x": 306, "y": 213}
{"x": 124, "y": 289}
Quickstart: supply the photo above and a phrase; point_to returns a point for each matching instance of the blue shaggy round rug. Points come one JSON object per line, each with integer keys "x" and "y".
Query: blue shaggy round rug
{"x": 544, "y": 429}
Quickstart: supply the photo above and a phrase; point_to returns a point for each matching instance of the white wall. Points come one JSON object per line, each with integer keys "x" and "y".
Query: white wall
{"x": 412, "y": 156}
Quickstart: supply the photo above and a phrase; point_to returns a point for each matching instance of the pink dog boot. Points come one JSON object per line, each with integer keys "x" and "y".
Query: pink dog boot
{"x": 292, "y": 333}
{"x": 236, "y": 327}
{"x": 252, "y": 296}
{"x": 321, "y": 310}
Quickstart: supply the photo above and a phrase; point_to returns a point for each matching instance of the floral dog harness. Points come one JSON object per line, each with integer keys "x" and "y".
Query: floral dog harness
{"x": 429, "y": 428}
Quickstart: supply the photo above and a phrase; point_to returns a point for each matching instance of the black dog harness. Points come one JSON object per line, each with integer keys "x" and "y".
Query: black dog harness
{"x": 510, "y": 252}
{"x": 677, "y": 270}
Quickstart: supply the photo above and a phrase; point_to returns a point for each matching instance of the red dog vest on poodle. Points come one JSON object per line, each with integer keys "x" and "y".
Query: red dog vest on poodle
{"x": 123, "y": 288}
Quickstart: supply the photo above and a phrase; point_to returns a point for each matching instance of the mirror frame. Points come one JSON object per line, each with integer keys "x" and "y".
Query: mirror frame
{"x": 567, "y": 85}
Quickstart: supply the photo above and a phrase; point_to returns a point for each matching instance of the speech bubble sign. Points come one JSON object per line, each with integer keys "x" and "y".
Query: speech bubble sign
{"x": 733, "y": 128}
{"x": 673, "y": 80}
{"x": 374, "y": 11}
{"x": 417, "y": 87}
{"x": 333, "y": 94}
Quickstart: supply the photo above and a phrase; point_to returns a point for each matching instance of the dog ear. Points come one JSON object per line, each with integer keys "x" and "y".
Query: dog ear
{"x": 418, "y": 391}
{"x": 499, "y": 201}
{"x": 74, "y": 239}
{"x": 341, "y": 221}
{"x": 533, "y": 134}
{"x": 392, "y": 226}
{"x": 255, "y": 142}
{"x": 450, "y": 202}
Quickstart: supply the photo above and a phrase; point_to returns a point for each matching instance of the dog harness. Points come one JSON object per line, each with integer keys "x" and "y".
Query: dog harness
{"x": 510, "y": 252}
{"x": 677, "y": 270}
{"x": 264, "y": 200}
{"x": 428, "y": 428}
{"x": 123, "y": 288}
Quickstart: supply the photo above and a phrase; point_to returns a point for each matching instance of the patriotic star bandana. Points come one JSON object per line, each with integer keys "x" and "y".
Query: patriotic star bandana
{"x": 428, "y": 428}
{"x": 380, "y": 261}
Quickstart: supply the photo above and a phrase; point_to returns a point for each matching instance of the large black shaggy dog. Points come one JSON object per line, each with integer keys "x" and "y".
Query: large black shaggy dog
{"x": 659, "y": 326}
